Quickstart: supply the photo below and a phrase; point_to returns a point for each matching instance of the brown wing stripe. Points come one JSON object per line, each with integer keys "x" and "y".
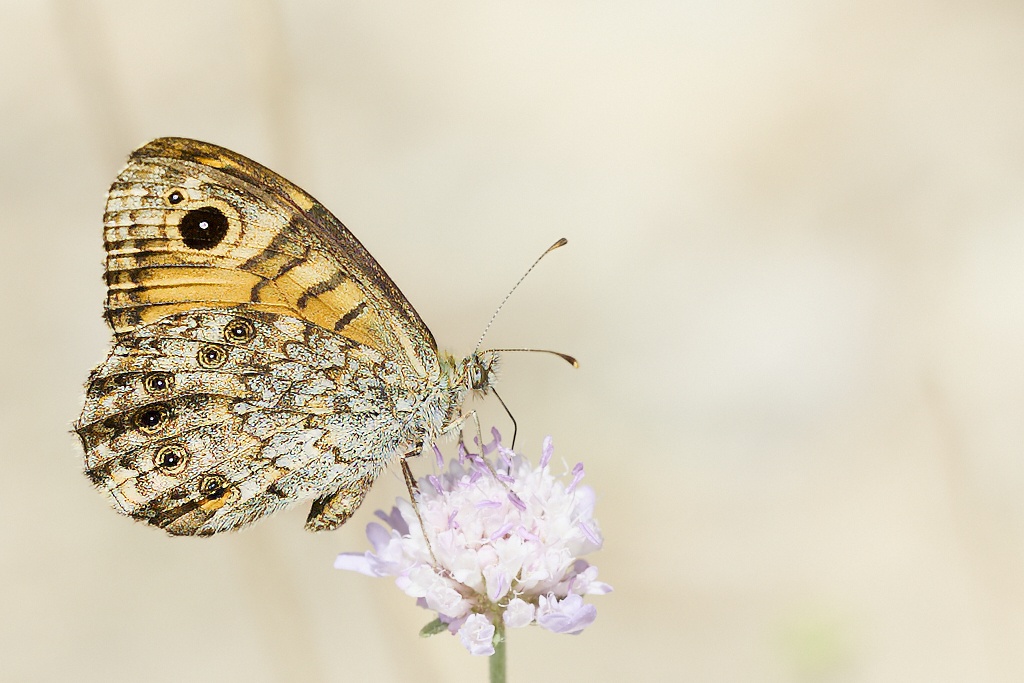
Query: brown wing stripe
{"x": 165, "y": 517}
{"x": 319, "y": 288}
{"x": 254, "y": 295}
{"x": 344, "y": 321}
{"x": 278, "y": 245}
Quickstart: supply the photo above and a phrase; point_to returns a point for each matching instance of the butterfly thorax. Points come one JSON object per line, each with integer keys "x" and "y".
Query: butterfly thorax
{"x": 473, "y": 375}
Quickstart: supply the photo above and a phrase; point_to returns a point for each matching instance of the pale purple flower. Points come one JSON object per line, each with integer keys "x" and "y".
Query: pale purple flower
{"x": 476, "y": 634}
{"x": 518, "y": 613}
{"x": 507, "y": 540}
{"x": 569, "y": 615}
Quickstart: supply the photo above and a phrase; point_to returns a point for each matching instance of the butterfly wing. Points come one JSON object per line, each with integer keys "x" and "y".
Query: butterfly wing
{"x": 209, "y": 419}
{"x": 191, "y": 225}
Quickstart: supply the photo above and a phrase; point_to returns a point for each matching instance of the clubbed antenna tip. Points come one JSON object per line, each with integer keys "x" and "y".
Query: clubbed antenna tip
{"x": 560, "y": 243}
{"x": 564, "y": 356}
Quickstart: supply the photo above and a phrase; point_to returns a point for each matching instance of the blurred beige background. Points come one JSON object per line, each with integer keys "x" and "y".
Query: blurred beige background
{"x": 794, "y": 282}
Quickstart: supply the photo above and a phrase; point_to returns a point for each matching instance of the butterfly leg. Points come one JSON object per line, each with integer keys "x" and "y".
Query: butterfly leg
{"x": 414, "y": 489}
{"x": 515, "y": 425}
{"x": 410, "y": 481}
{"x": 459, "y": 423}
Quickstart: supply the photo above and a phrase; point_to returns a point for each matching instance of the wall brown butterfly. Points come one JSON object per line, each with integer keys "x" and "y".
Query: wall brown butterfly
{"x": 261, "y": 355}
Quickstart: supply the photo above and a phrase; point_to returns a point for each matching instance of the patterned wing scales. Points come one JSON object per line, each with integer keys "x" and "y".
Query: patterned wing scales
{"x": 191, "y": 225}
{"x": 210, "y": 419}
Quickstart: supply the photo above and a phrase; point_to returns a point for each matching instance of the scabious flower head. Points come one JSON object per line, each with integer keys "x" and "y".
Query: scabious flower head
{"x": 506, "y": 541}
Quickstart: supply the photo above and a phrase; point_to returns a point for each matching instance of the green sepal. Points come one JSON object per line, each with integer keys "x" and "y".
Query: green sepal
{"x": 433, "y": 628}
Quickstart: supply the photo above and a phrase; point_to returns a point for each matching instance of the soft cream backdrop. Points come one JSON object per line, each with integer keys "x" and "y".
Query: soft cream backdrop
{"x": 794, "y": 283}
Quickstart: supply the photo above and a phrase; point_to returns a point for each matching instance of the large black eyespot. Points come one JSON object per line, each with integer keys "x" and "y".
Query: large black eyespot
{"x": 203, "y": 228}
{"x": 171, "y": 459}
{"x": 158, "y": 382}
{"x": 151, "y": 419}
{"x": 176, "y": 196}
{"x": 213, "y": 486}
{"x": 212, "y": 356}
{"x": 239, "y": 330}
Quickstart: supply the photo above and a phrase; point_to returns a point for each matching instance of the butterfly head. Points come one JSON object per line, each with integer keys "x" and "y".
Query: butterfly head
{"x": 478, "y": 371}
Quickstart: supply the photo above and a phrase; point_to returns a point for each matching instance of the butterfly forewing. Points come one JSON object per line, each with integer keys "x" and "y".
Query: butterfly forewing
{"x": 192, "y": 225}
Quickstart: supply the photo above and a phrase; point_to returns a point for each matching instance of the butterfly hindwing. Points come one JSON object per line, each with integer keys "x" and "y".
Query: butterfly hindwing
{"x": 209, "y": 419}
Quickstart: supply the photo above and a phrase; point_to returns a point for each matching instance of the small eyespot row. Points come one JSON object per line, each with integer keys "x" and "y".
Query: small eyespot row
{"x": 212, "y": 356}
{"x": 213, "y": 486}
{"x": 171, "y": 459}
{"x": 158, "y": 382}
{"x": 239, "y": 331}
{"x": 152, "y": 418}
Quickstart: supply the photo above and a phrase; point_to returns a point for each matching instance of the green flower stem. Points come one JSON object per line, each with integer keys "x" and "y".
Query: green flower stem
{"x": 497, "y": 660}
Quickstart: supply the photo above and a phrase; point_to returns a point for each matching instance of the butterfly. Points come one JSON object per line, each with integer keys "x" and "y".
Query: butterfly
{"x": 261, "y": 356}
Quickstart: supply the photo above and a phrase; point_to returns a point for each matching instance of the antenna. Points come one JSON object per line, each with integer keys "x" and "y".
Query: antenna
{"x": 564, "y": 356}
{"x": 560, "y": 243}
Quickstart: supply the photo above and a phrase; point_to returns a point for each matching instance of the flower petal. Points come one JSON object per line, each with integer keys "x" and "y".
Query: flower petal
{"x": 354, "y": 562}
{"x": 476, "y": 634}
{"x": 518, "y": 613}
{"x": 569, "y": 615}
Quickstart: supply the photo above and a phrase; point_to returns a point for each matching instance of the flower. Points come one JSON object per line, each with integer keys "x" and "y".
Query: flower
{"x": 476, "y": 634}
{"x": 505, "y": 547}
